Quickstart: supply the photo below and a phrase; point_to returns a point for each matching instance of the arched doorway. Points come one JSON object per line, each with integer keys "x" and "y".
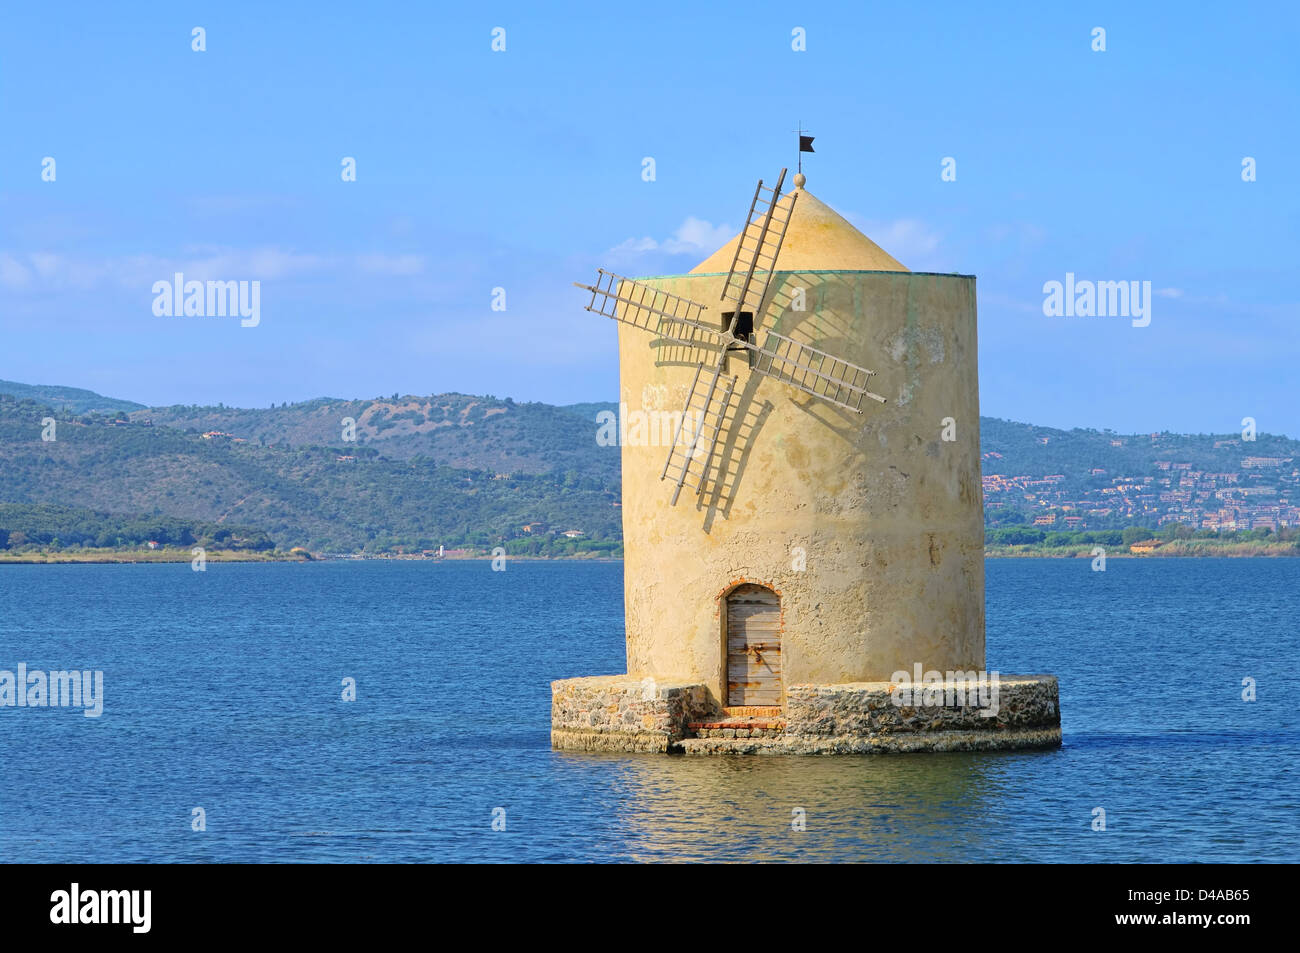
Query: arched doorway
{"x": 754, "y": 646}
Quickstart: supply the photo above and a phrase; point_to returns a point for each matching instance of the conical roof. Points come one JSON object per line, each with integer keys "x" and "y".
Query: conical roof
{"x": 817, "y": 239}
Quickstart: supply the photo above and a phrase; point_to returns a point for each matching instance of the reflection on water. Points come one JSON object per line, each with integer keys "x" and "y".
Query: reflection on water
{"x": 856, "y": 808}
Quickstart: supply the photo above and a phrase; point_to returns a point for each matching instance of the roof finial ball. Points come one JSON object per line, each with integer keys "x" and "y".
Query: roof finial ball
{"x": 799, "y": 180}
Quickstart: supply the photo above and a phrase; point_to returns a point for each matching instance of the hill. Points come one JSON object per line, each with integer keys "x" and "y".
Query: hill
{"x": 1090, "y": 479}
{"x": 476, "y": 433}
{"x": 458, "y": 470}
{"x": 46, "y": 525}
{"x": 339, "y": 498}
{"x": 1076, "y": 479}
{"x": 73, "y": 399}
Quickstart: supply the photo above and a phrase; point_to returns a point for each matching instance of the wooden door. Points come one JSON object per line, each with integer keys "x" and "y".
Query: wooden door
{"x": 753, "y": 647}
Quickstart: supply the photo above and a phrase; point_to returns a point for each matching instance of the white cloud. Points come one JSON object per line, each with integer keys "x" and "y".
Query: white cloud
{"x": 697, "y": 236}
{"x": 196, "y": 262}
{"x": 907, "y": 239}
{"x": 226, "y": 264}
{"x": 12, "y": 272}
{"x": 694, "y": 236}
{"x": 1169, "y": 292}
{"x": 391, "y": 264}
{"x": 633, "y": 247}
{"x": 52, "y": 268}
{"x": 46, "y": 265}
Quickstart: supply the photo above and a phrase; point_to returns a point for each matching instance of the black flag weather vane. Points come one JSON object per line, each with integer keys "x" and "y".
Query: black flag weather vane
{"x": 805, "y": 145}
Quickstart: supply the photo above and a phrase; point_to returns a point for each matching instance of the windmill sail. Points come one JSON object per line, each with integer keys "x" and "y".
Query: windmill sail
{"x": 812, "y": 371}
{"x": 682, "y": 321}
{"x": 660, "y": 313}
{"x": 760, "y": 243}
{"x": 690, "y": 458}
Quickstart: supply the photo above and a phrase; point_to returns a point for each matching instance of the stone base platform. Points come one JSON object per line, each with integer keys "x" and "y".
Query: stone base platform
{"x": 624, "y": 713}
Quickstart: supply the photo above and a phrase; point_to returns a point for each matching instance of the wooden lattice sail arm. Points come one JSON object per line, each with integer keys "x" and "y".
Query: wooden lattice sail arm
{"x": 759, "y": 244}
{"x": 690, "y": 458}
{"x": 658, "y": 312}
{"x": 812, "y": 371}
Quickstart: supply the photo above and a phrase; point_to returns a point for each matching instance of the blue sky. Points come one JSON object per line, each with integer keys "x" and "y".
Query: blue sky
{"x": 522, "y": 170}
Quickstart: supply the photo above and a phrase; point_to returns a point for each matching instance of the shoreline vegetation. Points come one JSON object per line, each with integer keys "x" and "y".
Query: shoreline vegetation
{"x": 161, "y": 555}
{"x": 47, "y": 533}
{"x": 1239, "y": 551}
{"x": 1171, "y": 549}
{"x": 1170, "y": 541}
{"x": 166, "y": 555}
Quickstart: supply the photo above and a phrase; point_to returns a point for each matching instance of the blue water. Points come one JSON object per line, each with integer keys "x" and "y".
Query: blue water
{"x": 223, "y": 691}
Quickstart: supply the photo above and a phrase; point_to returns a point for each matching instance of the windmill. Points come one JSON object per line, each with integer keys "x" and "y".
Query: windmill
{"x": 742, "y": 314}
{"x": 773, "y": 623}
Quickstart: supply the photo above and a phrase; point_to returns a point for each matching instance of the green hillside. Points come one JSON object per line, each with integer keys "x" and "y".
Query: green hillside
{"x": 339, "y": 498}
{"x": 72, "y": 399}
{"x": 460, "y": 471}
{"x": 479, "y": 433}
{"x": 56, "y": 527}
{"x": 589, "y": 410}
{"x": 1040, "y": 451}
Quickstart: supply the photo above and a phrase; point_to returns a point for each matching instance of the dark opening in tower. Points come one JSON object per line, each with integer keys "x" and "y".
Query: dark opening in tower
{"x": 744, "y": 329}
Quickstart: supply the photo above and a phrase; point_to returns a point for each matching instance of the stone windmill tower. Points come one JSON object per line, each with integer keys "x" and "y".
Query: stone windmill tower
{"x": 802, "y": 505}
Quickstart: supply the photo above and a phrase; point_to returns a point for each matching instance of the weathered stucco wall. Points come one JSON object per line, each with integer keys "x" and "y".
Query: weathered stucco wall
{"x": 888, "y": 514}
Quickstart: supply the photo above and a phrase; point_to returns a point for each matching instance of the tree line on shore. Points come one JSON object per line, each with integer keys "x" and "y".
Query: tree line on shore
{"x": 28, "y": 527}
{"x": 1170, "y": 532}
